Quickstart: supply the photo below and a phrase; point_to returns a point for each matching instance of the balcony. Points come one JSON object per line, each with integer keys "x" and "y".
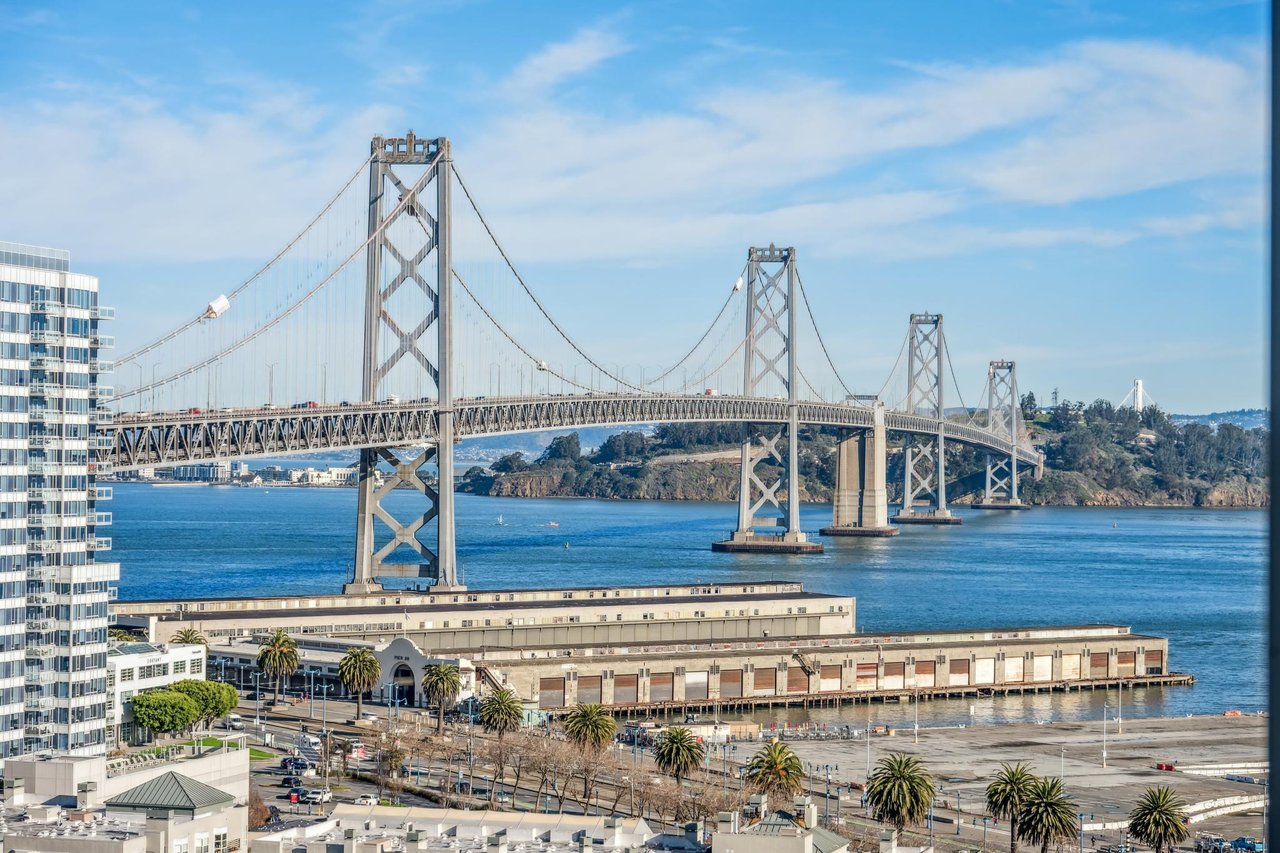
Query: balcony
{"x": 100, "y": 392}
{"x": 40, "y": 676}
{"x": 44, "y": 574}
{"x": 37, "y": 467}
{"x": 101, "y": 416}
{"x": 41, "y": 624}
{"x": 102, "y": 342}
{"x": 38, "y": 519}
{"x": 102, "y": 493}
{"x": 97, "y": 469}
{"x": 38, "y": 494}
{"x": 41, "y": 598}
{"x": 102, "y": 312}
{"x": 41, "y": 703}
{"x": 45, "y": 362}
{"x": 42, "y": 547}
{"x": 113, "y": 593}
{"x": 100, "y": 543}
{"x": 38, "y": 442}
{"x": 102, "y": 519}
{"x": 46, "y": 336}
{"x": 100, "y": 365}
{"x": 41, "y": 650}
{"x": 39, "y": 730}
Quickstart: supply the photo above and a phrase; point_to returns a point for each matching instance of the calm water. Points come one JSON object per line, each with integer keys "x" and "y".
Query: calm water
{"x": 1195, "y": 576}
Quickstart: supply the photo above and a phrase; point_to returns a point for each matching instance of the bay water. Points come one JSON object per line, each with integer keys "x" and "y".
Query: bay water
{"x": 1195, "y": 576}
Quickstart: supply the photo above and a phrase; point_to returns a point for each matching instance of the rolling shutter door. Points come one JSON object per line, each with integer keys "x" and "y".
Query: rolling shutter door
{"x": 797, "y": 680}
{"x": 695, "y": 685}
{"x": 925, "y": 673}
{"x": 765, "y": 682}
{"x": 959, "y": 672}
{"x": 661, "y": 686}
{"x": 1098, "y": 665}
{"x": 1014, "y": 670}
{"x": 589, "y": 689}
{"x": 624, "y": 689}
{"x": 1071, "y": 667}
{"x": 731, "y": 683}
{"x": 829, "y": 678}
{"x": 551, "y": 693}
{"x": 895, "y": 676}
{"x": 985, "y": 672}
{"x": 1155, "y": 663}
{"x": 866, "y": 676}
{"x": 1125, "y": 664}
{"x": 1042, "y": 668}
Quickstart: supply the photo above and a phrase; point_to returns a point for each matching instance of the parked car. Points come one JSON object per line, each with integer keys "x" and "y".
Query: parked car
{"x": 317, "y": 795}
{"x": 290, "y": 782}
{"x": 366, "y": 800}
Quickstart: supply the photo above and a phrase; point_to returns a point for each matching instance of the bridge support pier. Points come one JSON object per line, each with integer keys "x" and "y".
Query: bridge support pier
{"x": 860, "y": 505}
{"x": 770, "y": 365}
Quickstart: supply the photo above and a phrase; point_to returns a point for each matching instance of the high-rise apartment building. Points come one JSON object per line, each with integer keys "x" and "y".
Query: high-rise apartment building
{"x": 53, "y": 589}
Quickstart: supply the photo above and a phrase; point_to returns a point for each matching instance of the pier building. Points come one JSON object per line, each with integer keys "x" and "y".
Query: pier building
{"x": 655, "y": 647}
{"x": 53, "y": 588}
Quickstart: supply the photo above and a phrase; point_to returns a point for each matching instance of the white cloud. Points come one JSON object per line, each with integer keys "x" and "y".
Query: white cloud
{"x": 536, "y": 76}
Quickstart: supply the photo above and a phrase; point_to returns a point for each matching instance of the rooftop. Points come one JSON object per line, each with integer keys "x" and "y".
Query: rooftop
{"x": 171, "y": 792}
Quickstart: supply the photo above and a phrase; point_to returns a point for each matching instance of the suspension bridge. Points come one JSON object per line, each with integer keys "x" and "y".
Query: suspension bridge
{"x": 391, "y": 326}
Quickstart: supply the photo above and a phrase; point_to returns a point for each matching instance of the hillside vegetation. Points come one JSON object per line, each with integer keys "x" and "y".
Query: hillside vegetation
{"x": 1096, "y": 455}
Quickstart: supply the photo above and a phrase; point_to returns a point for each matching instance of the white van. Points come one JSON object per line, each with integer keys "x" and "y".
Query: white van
{"x": 305, "y": 740}
{"x": 234, "y": 722}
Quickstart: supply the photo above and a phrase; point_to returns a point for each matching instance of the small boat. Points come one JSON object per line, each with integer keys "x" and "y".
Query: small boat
{"x": 553, "y": 524}
{"x": 500, "y": 522}
{"x": 566, "y": 546}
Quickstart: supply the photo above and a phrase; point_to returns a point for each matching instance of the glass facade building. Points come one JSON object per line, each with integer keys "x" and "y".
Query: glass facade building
{"x": 53, "y": 588}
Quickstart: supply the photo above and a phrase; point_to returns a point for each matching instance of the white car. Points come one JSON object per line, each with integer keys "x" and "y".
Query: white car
{"x": 366, "y": 800}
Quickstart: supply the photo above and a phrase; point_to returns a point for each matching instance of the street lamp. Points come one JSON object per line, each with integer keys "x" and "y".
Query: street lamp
{"x": 1062, "y": 764}
{"x": 313, "y": 672}
{"x": 985, "y": 818}
{"x": 1081, "y": 832}
{"x": 1105, "y": 708}
{"x": 957, "y": 811}
{"x": 257, "y": 697}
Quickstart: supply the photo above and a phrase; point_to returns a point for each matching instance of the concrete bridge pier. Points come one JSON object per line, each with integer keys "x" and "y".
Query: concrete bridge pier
{"x": 860, "y": 505}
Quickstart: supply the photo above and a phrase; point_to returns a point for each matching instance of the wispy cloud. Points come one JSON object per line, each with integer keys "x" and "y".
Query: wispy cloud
{"x": 538, "y": 75}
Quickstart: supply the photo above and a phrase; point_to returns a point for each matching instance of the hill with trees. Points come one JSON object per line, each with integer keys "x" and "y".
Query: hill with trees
{"x": 1095, "y": 455}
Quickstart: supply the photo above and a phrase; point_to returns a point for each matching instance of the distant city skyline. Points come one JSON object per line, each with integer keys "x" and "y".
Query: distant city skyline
{"x": 1077, "y": 186}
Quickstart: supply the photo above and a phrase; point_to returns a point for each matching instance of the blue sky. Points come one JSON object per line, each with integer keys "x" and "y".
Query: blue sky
{"x": 1078, "y": 186}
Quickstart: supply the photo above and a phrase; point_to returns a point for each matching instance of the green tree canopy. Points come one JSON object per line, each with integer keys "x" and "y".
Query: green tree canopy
{"x": 622, "y": 445}
{"x": 1048, "y": 817}
{"x": 441, "y": 684}
{"x": 590, "y": 726}
{"x": 776, "y": 771}
{"x": 678, "y": 753}
{"x": 359, "y": 672}
{"x": 900, "y": 790}
{"x": 1159, "y": 819}
{"x": 278, "y": 657}
{"x": 165, "y": 711}
{"x": 189, "y": 637}
{"x": 1006, "y": 794}
{"x": 509, "y": 464}
{"x": 501, "y": 712}
{"x": 213, "y": 699}
{"x": 566, "y": 447}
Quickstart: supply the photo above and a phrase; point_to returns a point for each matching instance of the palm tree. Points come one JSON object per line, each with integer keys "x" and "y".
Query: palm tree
{"x": 899, "y": 790}
{"x": 278, "y": 657}
{"x": 776, "y": 770}
{"x": 1159, "y": 819}
{"x": 441, "y": 682}
{"x": 501, "y": 712}
{"x": 121, "y": 634}
{"x": 1006, "y": 794}
{"x": 590, "y": 726}
{"x": 189, "y": 637}
{"x": 1047, "y": 817}
{"x": 359, "y": 671}
{"x": 678, "y": 752}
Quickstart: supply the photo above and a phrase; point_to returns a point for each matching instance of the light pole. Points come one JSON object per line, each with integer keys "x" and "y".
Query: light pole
{"x": 271, "y": 383}
{"x": 957, "y": 811}
{"x": 1120, "y": 710}
{"x": 1062, "y": 764}
{"x": 1081, "y": 832}
{"x": 916, "y": 703}
{"x": 311, "y": 694}
{"x": 257, "y": 700}
{"x": 985, "y": 818}
{"x": 1105, "y": 708}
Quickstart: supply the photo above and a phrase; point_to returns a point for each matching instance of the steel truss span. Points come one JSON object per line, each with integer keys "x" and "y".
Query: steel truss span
{"x": 149, "y": 440}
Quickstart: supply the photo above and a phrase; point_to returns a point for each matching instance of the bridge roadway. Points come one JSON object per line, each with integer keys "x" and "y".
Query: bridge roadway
{"x": 147, "y": 439}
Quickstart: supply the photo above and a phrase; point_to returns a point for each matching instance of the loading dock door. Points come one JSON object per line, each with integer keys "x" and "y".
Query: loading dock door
{"x": 1071, "y": 667}
{"x": 925, "y": 673}
{"x": 661, "y": 686}
{"x": 866, "y": 675}
{"x": 829, "y": 678}
{"x": 1125, "y": 664}
{"x": 1098, "y": 665}
{"x": 551, "y": 693}
{"x": 695, "y": 685}
{"x": 1155, "y": 663}
{"x": 731, "y": 683}
{"x": 986, "y": 671}
{"x": 589, "y": 689}
{"x": 1014, "y": 670}
{"x": 1042, "y": 668}
{"x": 624, "y": 689}
{"x": 894, "y": 676}
{"x": 959, "y": 670}
{"x": 765, "y": 682}
{"x": 797, "y": 680}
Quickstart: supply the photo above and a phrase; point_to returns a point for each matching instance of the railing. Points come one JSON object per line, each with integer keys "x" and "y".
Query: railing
{"x": 102, "y": 493}
{"x": 102, "y": 341}
{"x": 101, "y": 519}
{"x": 40, "y": 676}
{"x": 101, "y": 365}
{"x": 43, "y": 547}
{"x": 101, "y": 543}
{"x": 102, "y": 312}
{"x": 46, "y": 336}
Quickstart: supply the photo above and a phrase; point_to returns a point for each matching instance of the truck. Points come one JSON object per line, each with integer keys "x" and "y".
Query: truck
{"x": 234, "y": 722}
{"x": 1248, "y": 843}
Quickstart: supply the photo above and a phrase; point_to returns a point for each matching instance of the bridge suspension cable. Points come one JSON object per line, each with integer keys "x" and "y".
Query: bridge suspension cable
{"x": 232, "y": 296}
{"x": 737, "y": 288}
{"x": 821, "y": 343}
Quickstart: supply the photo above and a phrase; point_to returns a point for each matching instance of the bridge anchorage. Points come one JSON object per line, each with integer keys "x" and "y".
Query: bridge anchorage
{"x": 375, "y": 301}
{"x": 770, "y": 360}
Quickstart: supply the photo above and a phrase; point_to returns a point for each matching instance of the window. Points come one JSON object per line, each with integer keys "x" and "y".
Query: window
{"x": 179, "y": 666}
{"x": 220, "y": 841}
{"x": 202, "y": 843}
{"x": 180, "y": 845}
{"x": 197, "y": 666}
{"x": 126, "y": 675}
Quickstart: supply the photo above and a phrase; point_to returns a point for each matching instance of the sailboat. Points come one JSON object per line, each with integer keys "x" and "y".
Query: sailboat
{"x": 500, "y": 522}
{"x": 553, "y": 524}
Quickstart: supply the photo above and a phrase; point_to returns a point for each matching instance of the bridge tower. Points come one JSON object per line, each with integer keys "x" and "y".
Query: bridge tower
{"x": 860, "y": 505}
{"x": 770, "y": 365}
{"x": 407, "y": 227}
{"x": 1001, "y": 489}
{"x": 924, "y": 458}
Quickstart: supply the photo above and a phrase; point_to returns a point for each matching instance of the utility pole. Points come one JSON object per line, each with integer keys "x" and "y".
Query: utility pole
{"x": 1104, "y": 735}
